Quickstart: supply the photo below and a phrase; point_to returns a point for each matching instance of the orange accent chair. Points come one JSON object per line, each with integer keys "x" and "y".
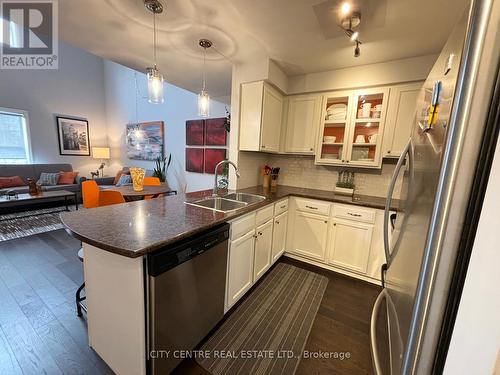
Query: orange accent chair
{"x": 151, "y": 181}
{"x": 109, "y": 197}
{"x": 90, "y": 194}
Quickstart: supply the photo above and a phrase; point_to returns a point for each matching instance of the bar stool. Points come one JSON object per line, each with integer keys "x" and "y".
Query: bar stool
{"x": 79, "y": 305}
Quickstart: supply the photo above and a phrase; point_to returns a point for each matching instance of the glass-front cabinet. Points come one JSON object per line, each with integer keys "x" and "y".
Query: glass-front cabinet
{"x": 352, "y": 128}
{"x": 334, "y": 134}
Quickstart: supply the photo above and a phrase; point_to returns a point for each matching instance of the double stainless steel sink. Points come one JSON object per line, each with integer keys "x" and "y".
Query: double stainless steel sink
{"x": 229, "y": 202}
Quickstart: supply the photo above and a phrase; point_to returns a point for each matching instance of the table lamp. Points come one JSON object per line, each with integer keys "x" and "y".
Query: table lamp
{"x": 101, "y": 153}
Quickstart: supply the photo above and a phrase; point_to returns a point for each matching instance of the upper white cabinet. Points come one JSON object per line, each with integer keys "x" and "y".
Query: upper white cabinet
{"x": 260, "y": 117}
{"x": 352, "y": 128}
{"x": 400, "y": 118}
{"x": 304, "y": 112}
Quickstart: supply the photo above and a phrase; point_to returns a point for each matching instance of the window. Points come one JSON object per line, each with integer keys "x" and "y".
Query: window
{"x": 15, "y": 145}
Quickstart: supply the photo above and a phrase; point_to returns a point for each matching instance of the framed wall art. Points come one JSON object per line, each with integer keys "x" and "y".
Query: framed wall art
{"x": 194, "y": 160}
{"x": 145, "y": 140}
{"x": 73, "y": 136}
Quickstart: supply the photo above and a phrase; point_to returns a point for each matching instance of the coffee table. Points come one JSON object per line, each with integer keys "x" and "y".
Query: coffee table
{"x": 47, "y": 195}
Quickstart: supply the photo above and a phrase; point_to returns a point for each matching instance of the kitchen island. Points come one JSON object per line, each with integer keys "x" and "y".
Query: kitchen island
{"x": 118, "y": 240}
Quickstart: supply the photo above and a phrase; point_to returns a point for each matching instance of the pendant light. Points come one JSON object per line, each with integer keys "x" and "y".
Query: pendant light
{"x": 155, "y": 78}
{"x": 203, "y": 97}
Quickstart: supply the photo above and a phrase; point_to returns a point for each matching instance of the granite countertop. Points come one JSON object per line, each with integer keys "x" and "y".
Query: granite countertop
{"x": 137, "y": 228}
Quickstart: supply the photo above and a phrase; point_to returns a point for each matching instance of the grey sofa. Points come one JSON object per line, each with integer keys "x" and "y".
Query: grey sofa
{"x": 33, "y": 171}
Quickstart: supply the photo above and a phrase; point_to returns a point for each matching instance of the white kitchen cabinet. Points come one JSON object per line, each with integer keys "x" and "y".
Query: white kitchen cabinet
{"x": 279, "y": 236}
{"x": 240, "y": 267}
{"x": 349, "y": 244}
{"x": 400, "y": 118}
{"x": 352, "y": 128}
{"x": 309, "y": 235}
{"x": 263, "y": 246}
{"x": 304, "y": 112}
{"x": 260, "y": 117}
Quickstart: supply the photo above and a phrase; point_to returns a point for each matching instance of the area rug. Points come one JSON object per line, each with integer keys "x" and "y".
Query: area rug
{"x": 268, "y": 331}
{"x": 23, "y": 224}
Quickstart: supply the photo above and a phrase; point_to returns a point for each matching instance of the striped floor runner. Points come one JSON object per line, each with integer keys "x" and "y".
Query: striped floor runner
{"x": 268, "y": 331}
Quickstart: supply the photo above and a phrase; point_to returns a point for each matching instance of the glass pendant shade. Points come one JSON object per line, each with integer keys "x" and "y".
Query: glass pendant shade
{"x": 155, "y": 86}
{"x": 203, "y": 104}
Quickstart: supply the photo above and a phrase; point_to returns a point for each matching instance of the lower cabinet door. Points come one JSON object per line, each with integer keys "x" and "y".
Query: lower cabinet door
{"x": 349, "y": 245}
{"x": 279, "y": 236}
{"x": 240, "y": 267}
{"x": 263, "y": 244}
{"x": 310, "y": 232}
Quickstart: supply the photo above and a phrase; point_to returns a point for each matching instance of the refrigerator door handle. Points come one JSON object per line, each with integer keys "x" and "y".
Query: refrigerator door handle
{"x": 408, "y": 150}
{"x": 373, "y": 331}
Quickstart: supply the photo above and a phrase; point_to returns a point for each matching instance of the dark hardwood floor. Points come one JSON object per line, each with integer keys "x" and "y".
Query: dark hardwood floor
{"x": 40, "y": 332}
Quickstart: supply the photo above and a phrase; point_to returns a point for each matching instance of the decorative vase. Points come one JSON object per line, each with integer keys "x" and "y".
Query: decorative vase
{"x": 137, "y": 175}
{"x": 32, "y": 190}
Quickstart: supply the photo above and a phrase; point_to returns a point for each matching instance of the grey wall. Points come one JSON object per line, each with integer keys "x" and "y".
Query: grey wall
{"x": 75, "y": 89}
{"x": 180, "y": 105}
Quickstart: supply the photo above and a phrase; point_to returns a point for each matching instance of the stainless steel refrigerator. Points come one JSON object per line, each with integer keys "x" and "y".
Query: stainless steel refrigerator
{"x": 402, "y": 315}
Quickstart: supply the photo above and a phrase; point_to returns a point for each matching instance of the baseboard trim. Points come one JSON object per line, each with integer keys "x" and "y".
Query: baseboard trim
{"x": 333, "y": 269}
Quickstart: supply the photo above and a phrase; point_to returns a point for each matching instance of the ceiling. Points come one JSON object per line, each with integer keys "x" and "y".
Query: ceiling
{"x": 302, "y": 36}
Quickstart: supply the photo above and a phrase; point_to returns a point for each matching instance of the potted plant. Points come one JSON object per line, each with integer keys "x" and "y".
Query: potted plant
{"x": 161, "y": 168}
{"x": 345, "y": 183}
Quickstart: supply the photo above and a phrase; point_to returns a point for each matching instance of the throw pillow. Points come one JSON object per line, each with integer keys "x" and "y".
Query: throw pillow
{"x": 125, "y": 179}
{"x": 67, "y": 178}
{"x": 48, "y": 179}
{"x": 7, "y": 182}
{"x": 119, "y": 174}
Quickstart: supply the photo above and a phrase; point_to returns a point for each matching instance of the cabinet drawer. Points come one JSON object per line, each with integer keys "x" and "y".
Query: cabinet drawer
{"x": 280, "y": 207}
{"x": 242, "y": 226}
{"x": 264, "y": 214}
{"x": 313, "y": 206}
{"x": 354, "y": 213}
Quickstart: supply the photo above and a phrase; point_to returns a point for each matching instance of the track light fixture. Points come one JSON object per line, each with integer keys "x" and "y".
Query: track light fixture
{"x": 349, "y": 21}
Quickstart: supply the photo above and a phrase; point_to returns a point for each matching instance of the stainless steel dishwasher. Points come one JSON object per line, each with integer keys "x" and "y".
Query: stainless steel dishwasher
{"x": 187, "y": 283}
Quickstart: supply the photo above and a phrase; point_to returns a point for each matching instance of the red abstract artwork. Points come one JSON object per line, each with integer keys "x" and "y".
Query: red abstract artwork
{"x": 195, "y": 133}
{"x": 215, "y": 132}
{"x": 194, "y": 160}
{"x": 212, "y": 157}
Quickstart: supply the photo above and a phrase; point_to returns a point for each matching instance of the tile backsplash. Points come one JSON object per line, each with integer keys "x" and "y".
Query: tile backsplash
{"x": 301, "y": 171}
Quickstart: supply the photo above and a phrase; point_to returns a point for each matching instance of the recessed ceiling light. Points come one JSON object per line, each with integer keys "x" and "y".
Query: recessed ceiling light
{"x": 345, "y": 8}
{"x": 354, "y": 36}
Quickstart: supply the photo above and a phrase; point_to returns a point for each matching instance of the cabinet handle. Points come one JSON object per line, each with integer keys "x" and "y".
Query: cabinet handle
{"x": 355, "y": 215}
{"x": 347, "y": 161}
{"x": 263, "y": 146}
{"x": 260, "y": 233}
{"x": 283, "y": 206}
{"x": 311, "y": 149}
{"x": 254, "y": 236}
{"x": 388, "y": 151}
{"x": 334, "y": 224}
{"x": 311, "y": 207}
{"x": 326, "y": 221}
{"x": 277, "y": 222}
{"x": 343, "y": 161}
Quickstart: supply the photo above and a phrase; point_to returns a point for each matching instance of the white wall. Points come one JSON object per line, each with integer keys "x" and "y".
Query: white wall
{"x": 75, "y": 89}
{"x": 180, "y": 105}
{"x": 390, "y": 72}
